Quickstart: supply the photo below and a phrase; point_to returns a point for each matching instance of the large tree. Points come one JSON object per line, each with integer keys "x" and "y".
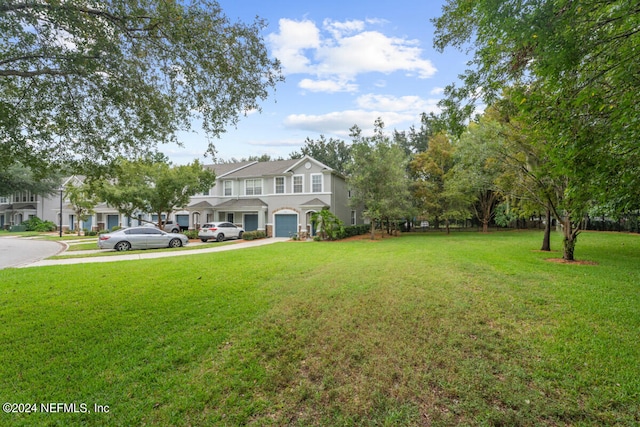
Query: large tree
{"x": 430, "y": 171}
{"x": 83, "y": 82}
{"x": 377, "y": 176}
{"x": 574, "y": 67}
{"x": 17, "y": 177}
{"x": 153, "y": 186}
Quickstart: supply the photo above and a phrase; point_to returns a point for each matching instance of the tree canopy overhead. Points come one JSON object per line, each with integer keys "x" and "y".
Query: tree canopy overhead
{"x": 87, "y": 81}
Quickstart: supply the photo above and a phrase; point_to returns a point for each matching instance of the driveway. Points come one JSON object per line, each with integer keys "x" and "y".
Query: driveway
{"x": 151, "y": 255}
{"x": 17, "y": 252}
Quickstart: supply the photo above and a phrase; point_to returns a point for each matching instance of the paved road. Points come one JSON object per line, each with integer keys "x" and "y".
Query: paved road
{"x": 16, "y": 252}
{"x": 150, "y": 255}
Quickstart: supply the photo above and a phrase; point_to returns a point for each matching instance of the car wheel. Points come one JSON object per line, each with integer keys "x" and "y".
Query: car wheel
{"x": 240, "y": 235}
{"x": 204, "y": 240}
{"x": 220, "y": 237}
{"x": 175, "y": 243}
{"x": 122, "y": 246}
{"x": 175, "y": 230}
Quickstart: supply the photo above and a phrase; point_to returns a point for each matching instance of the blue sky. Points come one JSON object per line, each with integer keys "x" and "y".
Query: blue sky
{"x": 345, "y": 62}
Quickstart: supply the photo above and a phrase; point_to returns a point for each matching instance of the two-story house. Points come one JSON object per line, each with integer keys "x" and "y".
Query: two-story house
{"x": 278, "y": 197}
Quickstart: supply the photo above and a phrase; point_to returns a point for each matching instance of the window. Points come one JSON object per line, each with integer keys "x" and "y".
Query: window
{"x": 280, "y": 185}
{"x": 4, "y": 200}
{"x": 228, "y": 188}
{"x": 297, "y": 183}
{"x": 353, "y": 217}
{"x": 230, "y": 217}
{"x": 316, "y": 183}
{"x": 253, "y": 187}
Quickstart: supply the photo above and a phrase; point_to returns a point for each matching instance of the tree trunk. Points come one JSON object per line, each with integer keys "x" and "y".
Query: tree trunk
{"x": 447, "y": 224}
{"x": 373, "y": 229}
{"x": 485, "y": 225}
{"x": 546, "y": 240}
{"x": 570, "y": 240}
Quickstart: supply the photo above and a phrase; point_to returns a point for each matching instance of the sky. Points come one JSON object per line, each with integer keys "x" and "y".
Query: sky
{"x": 345, "y": 63}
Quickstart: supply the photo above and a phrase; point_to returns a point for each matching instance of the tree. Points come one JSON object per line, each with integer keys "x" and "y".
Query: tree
{"x": 478, "y": 170}
{"x": 82, "y": 83}
{"x": 17, "y": 177}
{"x": 334, "y": 153}
{"x": 575, "y": 67}
{"x": 82, "y": 201}
{"x": 154, "y": 186}
{"x": 377, "y": 175}
{"x": 430, "y": 170}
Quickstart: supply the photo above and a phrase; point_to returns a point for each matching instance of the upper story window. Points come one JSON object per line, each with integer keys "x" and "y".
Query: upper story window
{"x": 228, "y": 188}
{"x": 253, "y": 187}
{"x": 298, "y": 183}
{"x": 4, "y": 200}
{"x": 280, "y": 185}
{"x": 316, "y": 183}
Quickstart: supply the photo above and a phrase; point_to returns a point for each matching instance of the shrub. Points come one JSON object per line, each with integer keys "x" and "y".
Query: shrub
{"x": 36, "y": 224}
{"x": 328, "y": 225}
{"x": 354, "y": 230}
{"x": 191, "y": 234}
{"x": 90, "y": 233}
{"x": 253, "y": 235}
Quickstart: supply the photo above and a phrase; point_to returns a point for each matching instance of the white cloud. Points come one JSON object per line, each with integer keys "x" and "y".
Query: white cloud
{"x": 328, "y": 86}
{"x": 290, "y": 43}
{"x": 339, "y": 122}
{"x": 437, "y": 91}
{"x": 342, "y": 51}
{"x": 340, "y": 29}
{"x": 413, "y": 104}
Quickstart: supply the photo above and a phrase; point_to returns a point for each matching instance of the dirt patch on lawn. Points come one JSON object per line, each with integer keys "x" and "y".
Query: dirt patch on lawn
{"x": 378, "y": 236}
{"x": 574, "y": 262}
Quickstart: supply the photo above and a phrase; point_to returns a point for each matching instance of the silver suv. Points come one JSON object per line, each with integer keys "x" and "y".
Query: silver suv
{"x": 171, "y": 227}
{"x": 219, "y": 231}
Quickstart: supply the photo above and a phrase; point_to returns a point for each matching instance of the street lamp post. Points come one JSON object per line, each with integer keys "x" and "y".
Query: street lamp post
{"x": 60, "y": 226}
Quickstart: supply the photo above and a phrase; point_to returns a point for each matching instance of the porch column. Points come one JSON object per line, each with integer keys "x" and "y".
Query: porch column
{"x": 262, "y": 213}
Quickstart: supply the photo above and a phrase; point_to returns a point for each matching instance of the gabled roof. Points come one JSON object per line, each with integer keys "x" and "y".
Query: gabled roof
{"x": 311, "y": 159}
{"x": 277, "y": 167}
{"x": 242, "y": 204}
{"x": 259, "y": 169}
{"x": 223, "y": 169}
{"x": 201, "y": 205}
{"x": 315, "y": 203}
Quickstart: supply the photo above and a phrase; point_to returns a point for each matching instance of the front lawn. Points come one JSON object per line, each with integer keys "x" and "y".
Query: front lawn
{"x": 429, "y": 329}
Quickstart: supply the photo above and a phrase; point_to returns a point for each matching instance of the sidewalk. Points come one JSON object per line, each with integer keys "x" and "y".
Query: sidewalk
{"x": 152, "y": 255}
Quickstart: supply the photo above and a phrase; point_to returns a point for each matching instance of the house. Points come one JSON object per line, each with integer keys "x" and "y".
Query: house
{"x": 19, "y": 207}
{"x": 278, "y": 197}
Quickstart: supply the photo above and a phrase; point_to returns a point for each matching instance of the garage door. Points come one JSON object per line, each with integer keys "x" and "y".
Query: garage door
{"x": 183, "y": 221}
{"x": 250, "y": 222}
{"x": 286, "y": 225}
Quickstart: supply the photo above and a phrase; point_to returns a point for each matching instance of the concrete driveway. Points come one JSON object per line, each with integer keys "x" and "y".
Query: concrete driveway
{"x": 18, "y": 252}
{"x": 151, "y": 255}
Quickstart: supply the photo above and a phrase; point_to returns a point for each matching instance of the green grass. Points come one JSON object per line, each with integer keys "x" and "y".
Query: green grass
{"x": 465, "y": 329}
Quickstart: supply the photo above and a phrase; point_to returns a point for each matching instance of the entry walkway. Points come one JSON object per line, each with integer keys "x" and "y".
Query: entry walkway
{"x": 151, "y": 255}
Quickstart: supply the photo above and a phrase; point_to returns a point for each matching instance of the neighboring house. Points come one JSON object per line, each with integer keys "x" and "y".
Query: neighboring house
{"x": 19, "y": 207}
{"x": 278, "y": 197}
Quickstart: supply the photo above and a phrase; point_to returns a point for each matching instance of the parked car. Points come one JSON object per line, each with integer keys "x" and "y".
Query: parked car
{"x": 219, "y": 231}
{"x": 141, "y": 238}
{"x": 172, "y": 227}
